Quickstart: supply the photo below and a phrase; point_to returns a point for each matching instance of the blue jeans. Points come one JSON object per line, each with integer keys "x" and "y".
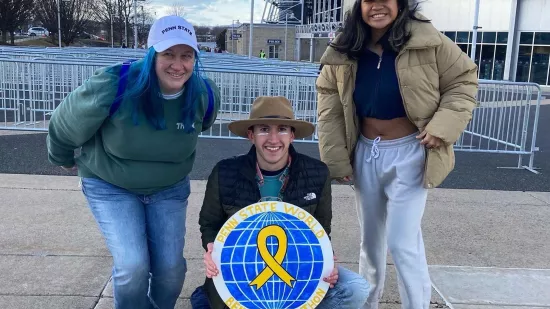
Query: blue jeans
{"x": 145, "y": 235}
{"x": 350, "y": 292}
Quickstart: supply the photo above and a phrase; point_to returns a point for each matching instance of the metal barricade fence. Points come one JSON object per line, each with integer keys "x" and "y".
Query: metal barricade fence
{"x": 239, "y": 90}
{"x": 214, "y": 61}
{"x": 31, "y": 90}
{"x": 505, "y": 121}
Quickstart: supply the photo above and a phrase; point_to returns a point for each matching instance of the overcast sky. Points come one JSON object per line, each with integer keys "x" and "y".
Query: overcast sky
{"x": 211, "y": 12}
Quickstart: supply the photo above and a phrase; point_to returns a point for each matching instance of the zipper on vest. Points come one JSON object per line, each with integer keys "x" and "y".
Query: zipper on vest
{"x": 377, "y": 85}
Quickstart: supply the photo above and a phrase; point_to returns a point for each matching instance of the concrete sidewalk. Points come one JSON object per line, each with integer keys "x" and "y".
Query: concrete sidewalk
{"x": 487, "y": 249}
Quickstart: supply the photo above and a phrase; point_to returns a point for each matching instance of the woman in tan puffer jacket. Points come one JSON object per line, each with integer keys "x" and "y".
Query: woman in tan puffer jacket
{"x": 394, "y": 95}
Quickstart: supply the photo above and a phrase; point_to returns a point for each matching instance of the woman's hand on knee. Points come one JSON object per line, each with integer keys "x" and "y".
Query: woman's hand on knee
{"x": 211, "y": 269}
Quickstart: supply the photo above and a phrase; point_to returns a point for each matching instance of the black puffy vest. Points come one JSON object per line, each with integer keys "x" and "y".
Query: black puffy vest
{"x": 238, "y": 187}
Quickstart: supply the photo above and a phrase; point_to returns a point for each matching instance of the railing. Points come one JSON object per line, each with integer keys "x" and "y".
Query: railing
{"x": 106, "y": 56}
{"x": 505, "y": 121}
{"x": 31, "y": 90}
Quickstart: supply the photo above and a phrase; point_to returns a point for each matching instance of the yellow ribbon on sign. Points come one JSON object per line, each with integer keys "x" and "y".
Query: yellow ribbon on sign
{"x": 273, "y": 262}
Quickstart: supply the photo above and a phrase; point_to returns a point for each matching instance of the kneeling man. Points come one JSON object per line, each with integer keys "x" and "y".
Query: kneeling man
{"x": 271, "y": 171}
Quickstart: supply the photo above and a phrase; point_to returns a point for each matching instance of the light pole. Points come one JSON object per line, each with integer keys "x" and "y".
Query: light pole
{"x": 111, "y": 15}
{"x": 474, "y": 35}
{"x": 112, "y": 37}
{"x": 233, "y": 35}
{"x": 286, "y": 31}
{"x": 287, "y": 14}
{"x": 286, "y": 28}
{"x": 135, "y": 25}
{"x": 59, "y": 23}
{"x": 251, "y": 29}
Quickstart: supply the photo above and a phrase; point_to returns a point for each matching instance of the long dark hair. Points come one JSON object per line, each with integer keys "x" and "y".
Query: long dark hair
{"x": 356, "y": 34}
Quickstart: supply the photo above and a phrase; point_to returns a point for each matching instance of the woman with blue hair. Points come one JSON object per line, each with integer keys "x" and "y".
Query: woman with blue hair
{"x": 137, "y": 126}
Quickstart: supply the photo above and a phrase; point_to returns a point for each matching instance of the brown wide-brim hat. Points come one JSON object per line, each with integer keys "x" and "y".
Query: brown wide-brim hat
{"x": 272, "y": 110}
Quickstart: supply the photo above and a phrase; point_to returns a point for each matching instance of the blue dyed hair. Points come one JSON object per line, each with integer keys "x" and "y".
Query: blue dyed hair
{"x": 144, "y": 92}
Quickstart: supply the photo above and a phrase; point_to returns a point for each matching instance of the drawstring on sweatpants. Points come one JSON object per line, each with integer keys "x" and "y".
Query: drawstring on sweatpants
{"x": 374, "y": 151}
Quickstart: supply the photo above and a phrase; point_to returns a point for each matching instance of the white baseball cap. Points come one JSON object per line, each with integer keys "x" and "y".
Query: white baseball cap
{"x": 172, "y": 30}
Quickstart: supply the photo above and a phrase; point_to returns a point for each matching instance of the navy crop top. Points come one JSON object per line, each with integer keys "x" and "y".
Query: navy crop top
{"x": 377, "y": 93}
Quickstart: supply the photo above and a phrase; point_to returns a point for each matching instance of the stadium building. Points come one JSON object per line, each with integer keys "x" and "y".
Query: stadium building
{"x": 307, "y": 26}
{"x": 513, "y": 40}
{"x": 316, "y": 23}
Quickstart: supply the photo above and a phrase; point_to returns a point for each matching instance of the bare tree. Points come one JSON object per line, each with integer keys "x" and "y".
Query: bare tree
{"x": 145, "y": 19}
{"x": 204, "y": 34}
{"x": 177, "y": 9}
{"x": 124, "y": 9}
{"x": 13, "y": 14}
{"x": 202, "y": 30}
{"x": 217, "y": 30}
{"x": 115, "y": 11}
{"x": 121, "y": 13}
{"x": 74, "y": 14}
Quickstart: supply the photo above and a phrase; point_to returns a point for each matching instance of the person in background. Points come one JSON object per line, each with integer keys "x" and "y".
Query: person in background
{"x": 394, "y": 95}
{"x": 137, "y": 126}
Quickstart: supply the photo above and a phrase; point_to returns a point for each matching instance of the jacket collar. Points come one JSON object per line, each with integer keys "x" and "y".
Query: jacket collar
{"x": 251, "y": 159}
{"x": 423, "y": 35}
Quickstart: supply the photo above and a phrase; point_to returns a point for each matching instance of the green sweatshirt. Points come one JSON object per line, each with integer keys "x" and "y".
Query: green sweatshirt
{"x": 138, "y": 158}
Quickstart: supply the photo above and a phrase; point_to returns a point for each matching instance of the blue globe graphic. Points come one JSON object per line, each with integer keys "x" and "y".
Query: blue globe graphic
{"x": 241, "y": 263}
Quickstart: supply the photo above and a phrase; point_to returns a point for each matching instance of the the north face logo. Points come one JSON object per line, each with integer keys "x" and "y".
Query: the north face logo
{"x": 310, "y": 196}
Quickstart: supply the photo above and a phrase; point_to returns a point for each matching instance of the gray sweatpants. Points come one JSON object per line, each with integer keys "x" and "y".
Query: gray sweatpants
{"x": 390, "y": 198}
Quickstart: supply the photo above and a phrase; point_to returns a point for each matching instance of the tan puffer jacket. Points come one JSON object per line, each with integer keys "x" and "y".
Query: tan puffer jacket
{"x": 438, "y": 84}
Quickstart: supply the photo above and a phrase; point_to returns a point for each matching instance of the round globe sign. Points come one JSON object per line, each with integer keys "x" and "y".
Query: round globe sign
{"x": 272, "y": 255}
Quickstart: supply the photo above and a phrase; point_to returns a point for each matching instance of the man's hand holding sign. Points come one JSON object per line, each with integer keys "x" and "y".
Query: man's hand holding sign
{"x": 211, "y": 268}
